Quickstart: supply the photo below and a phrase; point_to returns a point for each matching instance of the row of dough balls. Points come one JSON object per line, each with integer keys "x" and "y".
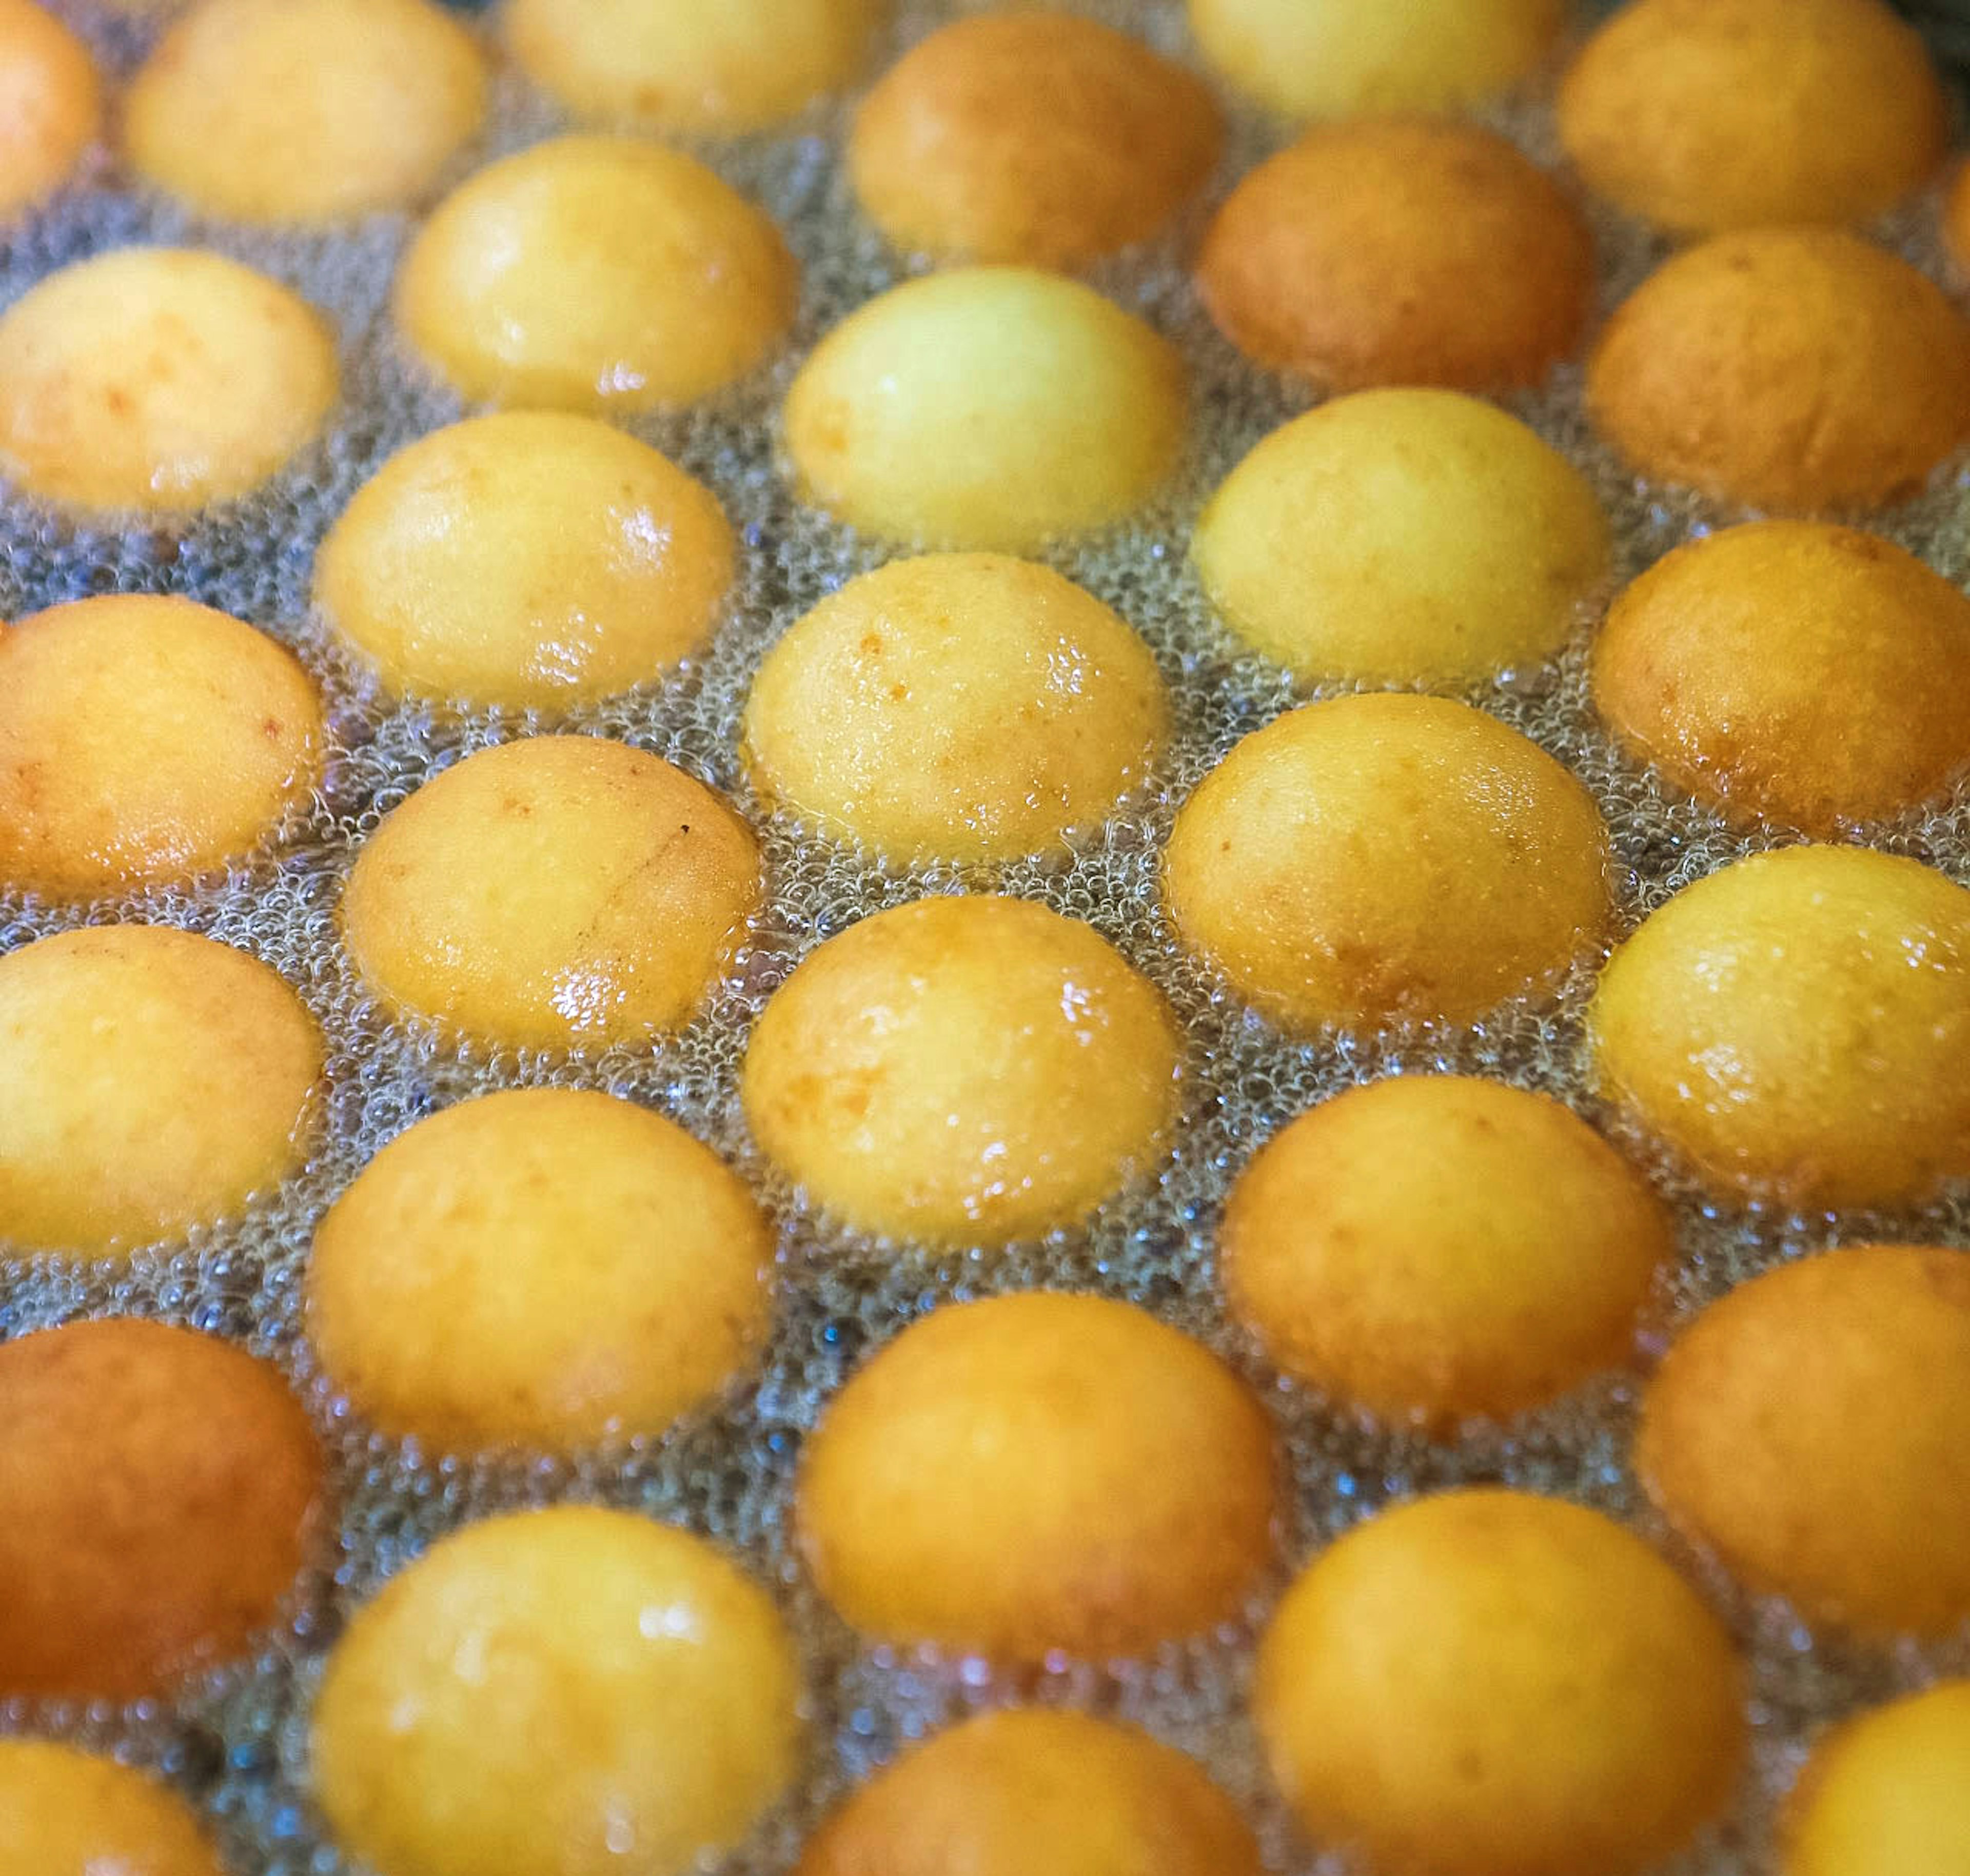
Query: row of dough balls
{"x": 1044, "y": 139}
{"x": 1796, "y": 368}
{"x": 1376, "y": 860}
{"x": 1026, "y": 1479}
{"x": 1793, "y": 675}
{"x": 1882, "y": 1796}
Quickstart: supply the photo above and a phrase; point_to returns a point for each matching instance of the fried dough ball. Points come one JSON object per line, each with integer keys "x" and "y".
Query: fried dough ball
{"x": 1703, "y": 115}
{"x": 1793, "y": 673}
{"x": 1349, "y": 58}
{"x": 1790, "y": 368}
{"x": 1400, "y": 253}
{"x": 304, "y": 110}
{"x": 594, "y": 273}
{"x": 1487, "y": 1683}
{"x": 1036, "y": 138}
{"x": 531, "y": 560}
{"x": 1039, "y": 1474}
{"x": 1811, "y": 1428}
{"x": 573, "y": 1691}
{"x": 962, "y": 706}
{"x": 146, "y": 739}
{"x": 962, "y": 1071}
{"x": 150, "y": 1081}
{"x": 1955, "y": 220}
{"x": 713, "y": 67}
{"x": 50, "y": 104}
{"x": 1071, "y": 413}
{"x": 158, "y": 1489}
{"x": 1887, "y": 1793}
{"x": 1433, "y": 1247}
{"x": 1793, "y": 1026}
{"x": 66, "y": 1813}
{"x": 541, "y": 1268}
{"x": 1402, "y": 538}
{"x": 1386, "y": 858}
{"x": 976, "y": 1798}
{"x": 158, "y": 380}
{"x": 557, "y": 892}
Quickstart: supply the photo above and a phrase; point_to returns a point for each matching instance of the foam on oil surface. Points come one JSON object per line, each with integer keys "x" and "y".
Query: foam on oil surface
{"x": 238, "y": 1743}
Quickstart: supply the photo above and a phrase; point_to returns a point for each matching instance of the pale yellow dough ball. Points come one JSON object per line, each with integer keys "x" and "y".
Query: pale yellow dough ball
{"x": 541, "y": 1268}
{"x": 1809, "y": 1429}
{"x": 145, "y": 739}
{"x": 552, "y": 893}
{"x": 962, "y": 1071}
{"x": 1432, "y": 1247}
{"x": 1034, "y": 137}
{"x": 957, "y": 706}
{"x": 1793, "y": 1026}
{"x": 1385, "y": 858}
{"x": 50, "y": 104}
{"x": 1351, "y": 58}
{"x": 1402, "y": 537}
{"x": 1039, "y": 1474}
{"x": 1887, "y": 1794}
{"x": 150, "y": 1080}
{"x": 1105, "y": 1800}
{"x": 713, "y": 66}
{"x": 988, "y": 407}
{"x": 158, "y": 380}
{"x": 1703, "y": 115}
{"x": 533, "y": 560}
{"x": 1488, "y": 1683}
{"x": 594, "y": 273}
{"x": 304, "y": 110}
{"x": 65, "y": 1813}
{"x": 568, "y": 1692}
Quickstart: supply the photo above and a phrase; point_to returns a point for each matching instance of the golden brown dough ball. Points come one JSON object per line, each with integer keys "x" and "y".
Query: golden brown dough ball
{"x": 1887, "y": 1793}
{"x": 1386, "y": 858}
{"x": 1349, "y": 58}
{"x": 1702, "y": 114}
{"x": 304, "y": 110}
{"x": 976, "y": 1800}
{"x": 158, "y": 1489}
{"x": 541, "y": 1268}
{"x": 716, "y": 67}
{"x": 1402, "y": 537}
{"x": 1488, "y": 1683}
{"x": 1793, "y": 1027}
{"x": 1400, "y": 253}
{"x": 594, "y": 273}
{"x": 150, "y": 1081}
{"x": 1039, "y": 1474}
{"x": 962, "y": 1071}
{"x": 1038, "y": 137}
{"x": 1955, "y": 220}
{"x": 143, "y": 740}
{"x": 50, "y": 104}
{"x": 988, "y": 407}
{"x": 557, "y": 892}
{"x": 1788, "y": 672}
{"x": 965, "y": 706}
{"x": 531, "y": 560}
{"x": 1433, "y": 1247}
{"x": 1812, "y": 1428}
{"x": 158, "y": 380}
{"x": 66, "y": 1813}
{"x": 574, "y": 1691}
{"x": 1795, "y": 367}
